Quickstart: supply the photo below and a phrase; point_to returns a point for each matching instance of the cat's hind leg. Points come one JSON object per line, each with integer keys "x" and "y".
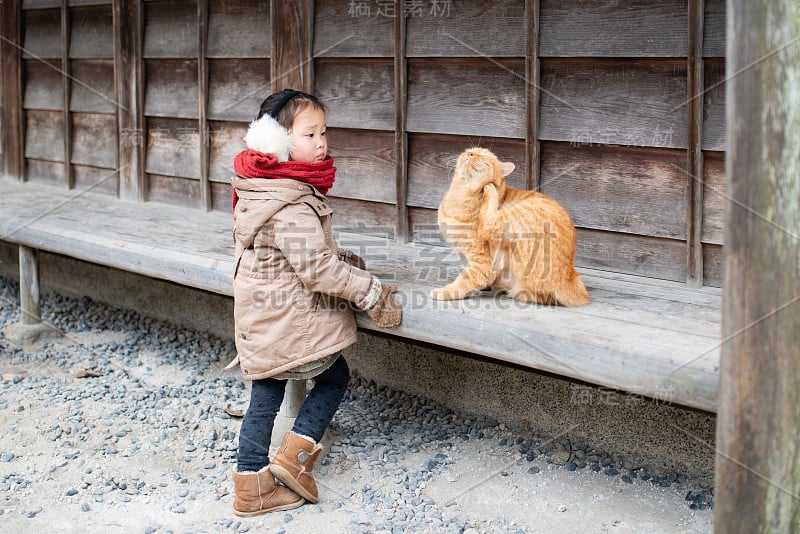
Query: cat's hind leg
{"x": 534, "y": 296}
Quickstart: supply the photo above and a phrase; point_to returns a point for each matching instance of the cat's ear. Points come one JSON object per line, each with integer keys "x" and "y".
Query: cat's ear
{"x": 506, "y": 168}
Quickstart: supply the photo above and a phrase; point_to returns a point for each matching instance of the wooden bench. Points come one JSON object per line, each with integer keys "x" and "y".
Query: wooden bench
{"x": 644, "y": 336}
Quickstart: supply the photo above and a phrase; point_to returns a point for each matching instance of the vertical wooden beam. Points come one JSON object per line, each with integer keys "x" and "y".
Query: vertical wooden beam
{"x": 30, "y": 310}
{"x": 127, "y": 21}
{"x": 66, "y": 87}
{"x": 532, "y": 94}
{"x": 202, "y": 102}
{"x": 13, "y": 127}
{"x": 290, "y": 49}
{"x": 400, "y": 134}
{"x": 291, "y": 67}
{"x": 694, "y": 154}
{"x": 758, "y": 418}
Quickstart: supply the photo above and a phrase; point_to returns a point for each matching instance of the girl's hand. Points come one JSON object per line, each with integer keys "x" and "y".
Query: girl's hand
{"x": 386, "y": 313}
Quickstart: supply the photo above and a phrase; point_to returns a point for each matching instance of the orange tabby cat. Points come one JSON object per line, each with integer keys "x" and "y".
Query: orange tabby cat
{"x": 513, "y": 240}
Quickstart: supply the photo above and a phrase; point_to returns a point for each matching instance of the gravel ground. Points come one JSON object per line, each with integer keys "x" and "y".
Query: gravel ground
{"x": 128, "y": 424}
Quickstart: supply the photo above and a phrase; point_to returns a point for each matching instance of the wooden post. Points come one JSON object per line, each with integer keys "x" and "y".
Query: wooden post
{"x": 293, "y": 397}
{"x": 290, "y": 61}
{"x": 30, "y": 327}
{"x": 11, "y": 90}
{"x": 694, "y": 154}
{"x": 290, "y": 67}
{"x": 66, "y": 91}
{"x": 30, "y": 311}
{"x": 758, "y": 419}
{"x": 400, "y": 135}
{"x": 202, "y": 103}
{"x": 533, "y": 80}
{"x": 127, "y": 22}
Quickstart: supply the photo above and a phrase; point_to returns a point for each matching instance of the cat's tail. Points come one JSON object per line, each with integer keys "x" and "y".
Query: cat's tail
{"x": 572, "y": 292}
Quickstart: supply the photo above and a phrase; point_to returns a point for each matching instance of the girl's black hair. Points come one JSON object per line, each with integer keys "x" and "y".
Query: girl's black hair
{"x": 284, "y": 105}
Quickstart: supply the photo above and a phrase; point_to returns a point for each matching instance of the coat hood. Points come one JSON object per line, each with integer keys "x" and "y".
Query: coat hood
{"x": 272, "y": 195}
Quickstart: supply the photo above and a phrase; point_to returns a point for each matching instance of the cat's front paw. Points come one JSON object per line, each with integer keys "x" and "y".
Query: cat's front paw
{"x": 447, "y": 293}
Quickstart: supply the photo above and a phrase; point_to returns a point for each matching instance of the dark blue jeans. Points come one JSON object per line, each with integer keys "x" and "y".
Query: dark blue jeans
{"x": 314, "y": 417}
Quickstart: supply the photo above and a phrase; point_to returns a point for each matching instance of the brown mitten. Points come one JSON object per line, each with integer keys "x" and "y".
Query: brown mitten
{"x": 386, "y": 313}
{"x": 353, "y": 259}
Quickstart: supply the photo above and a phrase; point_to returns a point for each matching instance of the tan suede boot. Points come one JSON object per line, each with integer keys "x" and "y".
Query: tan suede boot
{"x": 294, "y": 462}
{"x": 257, "y": 493}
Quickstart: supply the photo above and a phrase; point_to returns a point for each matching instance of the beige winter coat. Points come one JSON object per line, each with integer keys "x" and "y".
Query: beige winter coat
{"x": 288, "y": 279}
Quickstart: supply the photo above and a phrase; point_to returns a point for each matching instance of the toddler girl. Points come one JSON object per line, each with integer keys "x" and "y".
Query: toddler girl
{"x": 290, "y": 287}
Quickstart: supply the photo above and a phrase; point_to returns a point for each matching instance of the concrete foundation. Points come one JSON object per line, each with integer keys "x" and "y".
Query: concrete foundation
{"x": 655, "y": 431}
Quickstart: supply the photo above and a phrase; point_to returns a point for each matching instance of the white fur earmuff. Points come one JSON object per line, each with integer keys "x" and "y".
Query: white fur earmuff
{"x": 268, "y": 136}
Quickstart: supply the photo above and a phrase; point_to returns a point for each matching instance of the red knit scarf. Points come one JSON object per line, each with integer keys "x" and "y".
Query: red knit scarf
{"x": 254, "y": 164}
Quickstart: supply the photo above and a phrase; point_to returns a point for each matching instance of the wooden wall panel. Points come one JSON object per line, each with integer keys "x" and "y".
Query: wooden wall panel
{"x": 470, "y": 28}
{"x": 94, "y": 140}
{"x": 40, "y": 4}
{"x": 714, "y": 28}
{"x": 713, "y": 265}
{"x": 631, "y": 190}
{"x": 92, "y": 87}
{"x": 633, "y": 254}
{"x": 614, "y": 102}
{"x": 359, "y": 216}
{"x": 173, "y": 190}
{"x": 42, "y": 85}
{"x": 347, "y": 29}
{"x": 613, "y": 28}
{"x": 173, "y": 148}
{"x": 42, "y": 30}
{"x": 462, "y": 97}
{"x": 238, "y": 29}
{"x": 714, "y": 198}
{"x": 714, "y": 135}
{"x": 91, "y": 34}
{"x": 432, "y": 158}
{"x": 221, "y": 197}
{"x": 44, "y": 135}
{"x": 45, "y": 172}
{"x": 365, "y": 164}
{"x": 87, "y": 2}
{"x": 357, "y": 93}
{"x": 99, "y": 180}
{"x": 236, "y": 88}
{"x": 171, "y": 88}
{"x": 226, "y": 139}
{"x": 170, "y": 29}
{"x": 423, "y": 227}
